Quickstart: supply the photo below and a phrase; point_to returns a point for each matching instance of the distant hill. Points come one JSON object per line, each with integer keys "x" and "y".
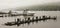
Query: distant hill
{"x": 46, "y": 7}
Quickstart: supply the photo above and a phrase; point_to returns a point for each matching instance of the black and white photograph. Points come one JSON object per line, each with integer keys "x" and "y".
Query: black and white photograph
{"x": 29, "y": 13}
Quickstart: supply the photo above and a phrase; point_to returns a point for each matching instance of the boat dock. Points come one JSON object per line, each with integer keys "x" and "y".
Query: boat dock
{"x": 29, "y": 20}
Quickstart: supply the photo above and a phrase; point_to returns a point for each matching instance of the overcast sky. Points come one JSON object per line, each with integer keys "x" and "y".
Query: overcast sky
{"x": 6, "y": 4}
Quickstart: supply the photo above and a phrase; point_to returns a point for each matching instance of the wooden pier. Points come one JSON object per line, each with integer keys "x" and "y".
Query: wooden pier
{"x": 28, "y": 21}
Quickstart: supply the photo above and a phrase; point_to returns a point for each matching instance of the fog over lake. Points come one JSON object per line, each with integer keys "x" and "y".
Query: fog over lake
{"x": 46, "y": 24}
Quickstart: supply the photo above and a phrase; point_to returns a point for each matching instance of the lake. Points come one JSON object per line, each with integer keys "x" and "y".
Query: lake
{"x": 40, "y": 24}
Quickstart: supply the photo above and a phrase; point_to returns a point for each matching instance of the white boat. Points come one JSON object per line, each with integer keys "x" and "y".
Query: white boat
{"x": 24, "y": 13}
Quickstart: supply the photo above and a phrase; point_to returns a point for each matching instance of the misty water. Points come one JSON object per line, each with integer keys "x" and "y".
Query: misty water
{"x": 40, "y": 24}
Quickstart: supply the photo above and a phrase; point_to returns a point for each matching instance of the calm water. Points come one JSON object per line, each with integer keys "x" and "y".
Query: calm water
{"x": 46, "y": 24}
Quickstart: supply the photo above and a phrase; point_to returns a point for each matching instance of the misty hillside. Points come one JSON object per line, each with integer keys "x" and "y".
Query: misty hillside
{"x": 46, "y": 7}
